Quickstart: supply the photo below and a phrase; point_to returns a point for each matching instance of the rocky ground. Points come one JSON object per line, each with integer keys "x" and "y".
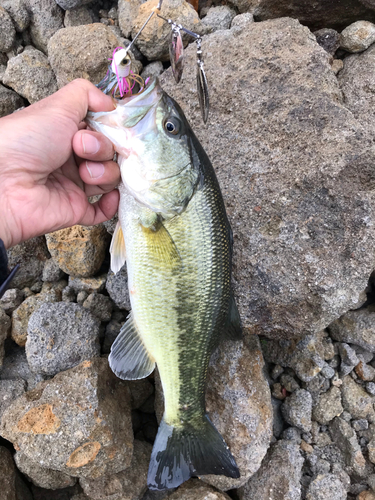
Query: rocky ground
{"x": 291, "y": 136}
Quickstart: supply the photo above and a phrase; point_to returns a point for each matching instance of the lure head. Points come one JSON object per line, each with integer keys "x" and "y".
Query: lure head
{"x": 152, "y": 137}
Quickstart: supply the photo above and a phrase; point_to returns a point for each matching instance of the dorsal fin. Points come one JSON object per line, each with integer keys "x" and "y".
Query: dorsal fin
{"x": 129, "y": 359}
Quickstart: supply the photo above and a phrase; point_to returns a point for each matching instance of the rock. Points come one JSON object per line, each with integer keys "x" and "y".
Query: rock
{"x": 61, "y": 336}
{"x": 289, "y": 382}
{"x": 279, "y": 475}
{"x": 7, "y": 31}
{"x": 356, "y": 400}
{"x": 72, "y": 4}
{"x": 31, "y": 255}
{"x": 327, "y": 371}
{"x": 355, "y": 327}
{"x": 326, "y": 486}
{"x": 366, "y": 495}
{"x": 348, "y": 355}
{"x": 337, "y": 65}
{"x": 363, "y": 355}
{"x": 288, "y": 279}
{"x": 40, "y": 476}
{"x": 318, "y": 15}
{"x": 358, "y": 36}
{"x": 77, "y": 17}
{"x": 140, "y": 391}
{"x": 153, "y": 42}
{"x": 239, "y": 407}
{"x": 127, "y": 12}
{"x": 21, "y": 315}
{"x": 194, "y": 489}
{"x": 370, "y": 388}
{"x": 360, "y": 425}
{"x": 16, "y": 367}
{"x": 77, "y": 423}
{"x": 356, "y": 82}
{"x": 81, "y": 52}
{"x": 296, "y": 409}
{"x": 328, "y": 39}
{"x": 11, "y": 485}
{"x": 68, "y": 295}
{"x": 371, "y": 450}
{"x": 46, "y": 19}
{"x": 112, "y": 330}
{"x": 128, "y": 484}
{"x": 317, "y": 386}
{"x": 78, "y": 250}
{"x": 304, "y": 356}
{"x": 11, "y": 299}
{"x": 152, "y": 70}
{"x": 329, "y": 406}
{"x": 89, "y": 285}
{"x": 51, "y": 271}
{"x": 9, "y": 101}
{"x": 365, "y": 372}
{"x": 99, "y": 305}
{"x": 346, "y": 440}
{"x": 219, "y": 18}
{"x": 5, "y": 324}
{"x": 293, "y": 434}
{"x": 117, "y": 287}
{"x": 242, "y": 20}
{"x": 17, "y": 9}
{"x": 9, "y": 391}
{"x": 30, "y": 75}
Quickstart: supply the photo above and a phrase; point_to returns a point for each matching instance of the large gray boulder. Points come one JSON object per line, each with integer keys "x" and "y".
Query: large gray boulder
{"x": 289, "y": 156}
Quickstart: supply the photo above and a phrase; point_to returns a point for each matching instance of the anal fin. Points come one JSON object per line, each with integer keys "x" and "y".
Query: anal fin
{"x": 117, "y": 249}
{"x": 129, "y": 359}
{"x": 232, "y": 329}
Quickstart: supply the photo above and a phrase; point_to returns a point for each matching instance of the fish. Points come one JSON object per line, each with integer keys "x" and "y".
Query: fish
{"x": 175, "y": 237}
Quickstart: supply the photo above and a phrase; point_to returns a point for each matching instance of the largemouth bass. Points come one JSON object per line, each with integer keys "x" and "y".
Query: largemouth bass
{"x": 178, "y": 242}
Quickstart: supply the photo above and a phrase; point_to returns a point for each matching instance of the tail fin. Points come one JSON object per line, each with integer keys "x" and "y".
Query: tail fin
{"x": 182, "y": 452}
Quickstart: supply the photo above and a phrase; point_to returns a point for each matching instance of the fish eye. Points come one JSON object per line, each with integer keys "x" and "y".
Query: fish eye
{"x": 172, "y": 126}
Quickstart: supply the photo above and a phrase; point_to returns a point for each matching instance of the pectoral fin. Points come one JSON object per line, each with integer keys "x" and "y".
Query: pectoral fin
{"x": 232, "y": 328}
{"x": 117, "y": 249}
{"x": 129, "y": 359}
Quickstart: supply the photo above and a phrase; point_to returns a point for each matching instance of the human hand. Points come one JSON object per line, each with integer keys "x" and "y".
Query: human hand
{"x": 44, "y": 180}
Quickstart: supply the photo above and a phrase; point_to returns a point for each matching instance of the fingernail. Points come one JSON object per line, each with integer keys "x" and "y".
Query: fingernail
{"x": 95, "y": 169}
{"x": 90, "y": 144}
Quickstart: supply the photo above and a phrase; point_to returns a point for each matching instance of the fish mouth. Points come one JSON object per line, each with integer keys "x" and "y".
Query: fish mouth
{"x": 130, "y": 110}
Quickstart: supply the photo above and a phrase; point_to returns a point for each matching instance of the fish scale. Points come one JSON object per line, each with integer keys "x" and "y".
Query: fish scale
{"x": 178, "y": 256}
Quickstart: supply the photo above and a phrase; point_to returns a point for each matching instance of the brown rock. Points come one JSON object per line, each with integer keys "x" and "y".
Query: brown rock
{"x": 365, "y": 372}
{"x": 328, "y": 406}
{"x": 355, "y": 399}
{"x": 89, "y": 285}
{"x": 77, "y": 423}
{"x": 366, "y": 495}
{"x": 9, "y": 100}
{"x": 270, "y": 137}
{"x": 78, "y": 250}
{"x": 194, "y": 489}
{"x": 306, "y": 447}
{"x": 81, "y": 52}
{"x": 128, "y": 484}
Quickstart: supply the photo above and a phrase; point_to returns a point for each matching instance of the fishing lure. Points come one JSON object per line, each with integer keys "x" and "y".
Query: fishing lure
{"x": 120, "y": 81}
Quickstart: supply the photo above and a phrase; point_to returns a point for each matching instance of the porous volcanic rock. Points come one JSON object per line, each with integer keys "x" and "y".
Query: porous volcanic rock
{"x": 77, "y": 17}
{"x": 194, "y": 489}
{"x": 279, "y": 475}
{"x": 81, "y": 52}
{"x": 326, "y": 486}
{"x": 153, "y": 42}
{"x": 72, "y": 4}
{"x": 287, "y": 153}
{"x": 77, "y": 423}
{"x": 358, "y": 36}
{"x": 127, "y": 12}
{"x": 239, "y": 406}
{"x": 7, "y": 31}
{"x": 9, "y": 101}
{"x": 30, "y": 75}
{"x": 61, "y": 336}
{"x": 128, "y": 484}
{"x": 46, "y": 17}
{"x": 17, "y": 9}
{"x": 78, "y": 250}
{"x": 316, "y": 15}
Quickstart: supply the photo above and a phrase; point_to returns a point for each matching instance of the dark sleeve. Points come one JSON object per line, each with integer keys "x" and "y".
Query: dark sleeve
{"x": 5, "y": 276}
